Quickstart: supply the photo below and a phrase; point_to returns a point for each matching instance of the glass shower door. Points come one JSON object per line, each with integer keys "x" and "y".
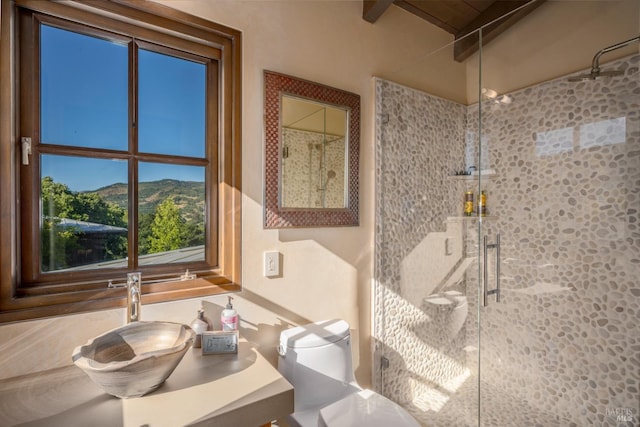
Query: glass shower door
{"x": 560, "y": 346}
{"x": 425, "y": 299}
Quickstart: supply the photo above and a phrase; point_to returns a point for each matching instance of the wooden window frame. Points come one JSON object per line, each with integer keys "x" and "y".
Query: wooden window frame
{"x": 20, "y": 300}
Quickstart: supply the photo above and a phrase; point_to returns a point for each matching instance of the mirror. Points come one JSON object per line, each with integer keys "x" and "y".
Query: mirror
{"x": 311, "y": 154}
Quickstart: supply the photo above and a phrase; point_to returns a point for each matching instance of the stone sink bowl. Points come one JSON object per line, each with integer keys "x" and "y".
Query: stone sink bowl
{"x": 135, "y": 359}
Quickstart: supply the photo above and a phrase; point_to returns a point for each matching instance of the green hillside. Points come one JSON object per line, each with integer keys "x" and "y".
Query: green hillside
{"x": 188, "y": 196}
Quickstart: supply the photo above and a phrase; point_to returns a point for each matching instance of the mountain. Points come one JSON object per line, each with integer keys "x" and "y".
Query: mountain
{"x": 188, "y": 196}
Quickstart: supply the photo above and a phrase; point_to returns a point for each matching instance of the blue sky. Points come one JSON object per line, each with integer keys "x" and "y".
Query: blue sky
{"x": 84, "y": 98}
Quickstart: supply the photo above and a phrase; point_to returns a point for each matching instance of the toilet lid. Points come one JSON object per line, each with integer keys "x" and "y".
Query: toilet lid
{"x": 365, "y": 409}
{"x": 314, "y": 334}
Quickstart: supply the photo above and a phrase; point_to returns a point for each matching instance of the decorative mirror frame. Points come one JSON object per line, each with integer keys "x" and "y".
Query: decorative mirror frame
{"x": 276, "y": 84}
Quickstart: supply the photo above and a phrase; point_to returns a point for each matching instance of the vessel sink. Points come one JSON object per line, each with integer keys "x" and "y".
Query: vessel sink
{"x": 135, "y": 359}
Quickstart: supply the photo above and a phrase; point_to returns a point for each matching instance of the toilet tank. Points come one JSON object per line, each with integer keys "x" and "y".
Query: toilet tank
{"x": 316, "y": 360}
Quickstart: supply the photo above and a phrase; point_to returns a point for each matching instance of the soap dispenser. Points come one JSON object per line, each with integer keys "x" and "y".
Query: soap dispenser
{"x": 229, "y": 318}
{"x": 199, "y": 325}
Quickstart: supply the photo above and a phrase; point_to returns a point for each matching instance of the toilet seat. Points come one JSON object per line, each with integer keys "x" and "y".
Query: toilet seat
{"x": 313, "y": 335}
{"x": 365, "y": 409}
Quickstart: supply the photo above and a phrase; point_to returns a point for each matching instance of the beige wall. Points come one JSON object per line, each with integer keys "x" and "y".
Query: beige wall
{"x": 326, "y": 272}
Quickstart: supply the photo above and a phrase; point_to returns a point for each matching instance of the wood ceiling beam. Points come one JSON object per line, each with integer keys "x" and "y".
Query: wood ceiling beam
{"x": 467, "y": 46}
{"x": 422, "y": 13}
{"x": 373, "y": 9}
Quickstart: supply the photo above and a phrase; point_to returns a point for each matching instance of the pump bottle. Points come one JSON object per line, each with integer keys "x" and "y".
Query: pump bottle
{"x": 229, "y": 318}
{"x": 199, "y": 325}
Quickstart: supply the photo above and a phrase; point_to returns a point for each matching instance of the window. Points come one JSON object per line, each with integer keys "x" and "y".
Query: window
{"x": 125, "y": 155}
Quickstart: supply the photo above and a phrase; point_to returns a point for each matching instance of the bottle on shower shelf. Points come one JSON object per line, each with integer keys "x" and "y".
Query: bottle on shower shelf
{"x": 482, "y": 204}
{"x": 468, "y": 203}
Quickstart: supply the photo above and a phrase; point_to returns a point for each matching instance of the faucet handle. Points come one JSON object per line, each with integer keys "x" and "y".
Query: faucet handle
{"x": 134, "y": 279}
{"x": 134, "y": 301}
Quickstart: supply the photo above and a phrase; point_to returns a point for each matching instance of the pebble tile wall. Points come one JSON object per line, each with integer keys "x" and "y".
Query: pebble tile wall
{"x": 562, "y": 348}
{"x": 307, "y": 185}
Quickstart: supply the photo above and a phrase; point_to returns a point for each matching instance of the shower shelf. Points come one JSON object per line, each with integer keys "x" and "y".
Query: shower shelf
{"x": 471, "y": 218}
{"x": 487, "y": 175}
{"x": 474, "y": 177}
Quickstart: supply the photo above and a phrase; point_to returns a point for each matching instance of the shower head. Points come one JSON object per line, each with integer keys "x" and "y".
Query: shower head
{"x": 595, "y": 63}
{"x": 594, "y": 75}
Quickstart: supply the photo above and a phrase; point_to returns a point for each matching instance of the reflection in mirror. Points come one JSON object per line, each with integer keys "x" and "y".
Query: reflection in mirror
{"x": 311, "y": 154}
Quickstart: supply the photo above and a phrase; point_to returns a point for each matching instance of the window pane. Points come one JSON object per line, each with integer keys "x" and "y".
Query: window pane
{"x": 84, "y": 96}
{"x": 171, "y": 207}
{"x": 171, "y": 107}
{"x": 83, "y": 213}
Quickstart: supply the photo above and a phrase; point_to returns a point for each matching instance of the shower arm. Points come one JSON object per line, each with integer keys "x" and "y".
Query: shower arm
{"x": 595, "y": 64}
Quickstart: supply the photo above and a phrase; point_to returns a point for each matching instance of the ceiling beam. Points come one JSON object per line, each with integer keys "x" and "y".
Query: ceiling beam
{"x": 373, "y": 9}
{"x": 434, "y": 12}
{"x": 467, "y": 46}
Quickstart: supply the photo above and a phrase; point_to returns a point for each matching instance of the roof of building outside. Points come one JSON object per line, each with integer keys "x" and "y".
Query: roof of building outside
{"x": 89, "y": 227}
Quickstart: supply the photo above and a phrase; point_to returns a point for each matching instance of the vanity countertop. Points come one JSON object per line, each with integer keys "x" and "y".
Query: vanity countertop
{"x": 241, "y": 389}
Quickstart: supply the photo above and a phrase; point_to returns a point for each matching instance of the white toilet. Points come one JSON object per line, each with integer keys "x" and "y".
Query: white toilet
{"x": 316, "y": 360}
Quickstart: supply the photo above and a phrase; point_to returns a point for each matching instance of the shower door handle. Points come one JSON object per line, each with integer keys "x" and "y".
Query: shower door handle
{"x": 496, "y": 291}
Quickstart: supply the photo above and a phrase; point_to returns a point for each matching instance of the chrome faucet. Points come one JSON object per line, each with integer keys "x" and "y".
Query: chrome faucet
{"x": 134, "y": 300}
{"x": 134, "y": 295}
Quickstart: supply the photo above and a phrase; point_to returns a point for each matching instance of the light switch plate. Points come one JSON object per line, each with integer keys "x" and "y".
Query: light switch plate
{"x": 271, "y": 264}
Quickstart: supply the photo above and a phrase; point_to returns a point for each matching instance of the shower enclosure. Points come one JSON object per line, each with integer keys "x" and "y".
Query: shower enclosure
{"x": 526, "y": 312}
